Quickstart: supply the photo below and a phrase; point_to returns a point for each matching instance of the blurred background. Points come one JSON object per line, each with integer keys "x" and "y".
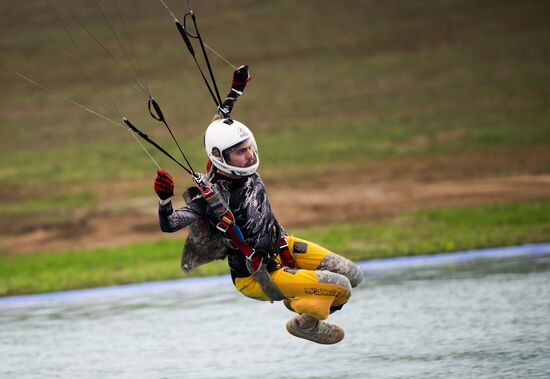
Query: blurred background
{"x": 385, "y": 127}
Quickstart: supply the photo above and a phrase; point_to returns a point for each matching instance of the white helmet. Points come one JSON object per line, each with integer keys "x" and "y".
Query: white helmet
{"x": 223, "y": 135}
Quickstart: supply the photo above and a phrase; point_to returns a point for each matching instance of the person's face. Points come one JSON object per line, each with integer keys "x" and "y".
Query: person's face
{"x": 243, "y": 156}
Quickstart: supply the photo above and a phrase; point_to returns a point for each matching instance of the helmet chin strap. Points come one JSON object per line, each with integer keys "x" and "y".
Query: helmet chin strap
{"x": 228, "y": 175}
{"x": 233, "y": 174}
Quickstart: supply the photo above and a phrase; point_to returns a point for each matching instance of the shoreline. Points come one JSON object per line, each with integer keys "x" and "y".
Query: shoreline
{"x": 376, "y": 265}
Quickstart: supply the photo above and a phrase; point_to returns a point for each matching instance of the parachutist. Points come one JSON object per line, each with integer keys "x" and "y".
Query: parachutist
{"x": 229, "y": 215}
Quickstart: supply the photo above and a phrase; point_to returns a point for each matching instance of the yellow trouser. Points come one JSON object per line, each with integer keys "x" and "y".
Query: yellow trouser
{"x": 309, "y": 291}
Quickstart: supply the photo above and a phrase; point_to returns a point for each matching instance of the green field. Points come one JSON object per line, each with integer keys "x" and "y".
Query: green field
{"x": 357, "y": 84}
{"x": 409, "y": 234}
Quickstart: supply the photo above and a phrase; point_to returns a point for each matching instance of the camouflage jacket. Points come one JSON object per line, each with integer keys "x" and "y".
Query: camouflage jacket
{"x": 248, "y": 202}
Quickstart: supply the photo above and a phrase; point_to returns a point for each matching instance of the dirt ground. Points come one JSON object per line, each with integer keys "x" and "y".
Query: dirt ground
{"x": 370, "y": 192}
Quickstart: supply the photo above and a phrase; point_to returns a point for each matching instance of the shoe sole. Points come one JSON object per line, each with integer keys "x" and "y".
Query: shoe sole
{"x": 292, "y": 329}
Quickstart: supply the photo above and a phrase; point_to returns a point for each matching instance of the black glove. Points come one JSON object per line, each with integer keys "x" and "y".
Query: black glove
{"x": 164, "y": 185}
{"x": 241, "y": 76}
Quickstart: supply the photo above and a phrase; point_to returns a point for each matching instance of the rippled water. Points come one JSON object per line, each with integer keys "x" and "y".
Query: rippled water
{"x": 487, "y": 318}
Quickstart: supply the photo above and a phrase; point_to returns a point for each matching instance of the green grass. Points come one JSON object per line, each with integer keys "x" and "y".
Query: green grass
{"x": 439, "y": 230}
{"x": 142, "y": 262}
{"x": 422, "y": 232}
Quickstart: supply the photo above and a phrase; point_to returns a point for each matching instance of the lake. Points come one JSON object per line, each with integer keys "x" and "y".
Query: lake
{"x": 482, "y": 318}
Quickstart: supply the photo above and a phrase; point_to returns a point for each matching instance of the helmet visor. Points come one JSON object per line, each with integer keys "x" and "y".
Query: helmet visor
{"x": 247, "y": 143}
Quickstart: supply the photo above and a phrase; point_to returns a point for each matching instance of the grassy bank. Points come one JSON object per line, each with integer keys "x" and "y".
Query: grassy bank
{"x": 364, "y": 81}
{"x": 421, "y": 232}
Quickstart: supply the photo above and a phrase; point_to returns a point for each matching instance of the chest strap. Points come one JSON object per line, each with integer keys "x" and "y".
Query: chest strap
{"x": 228, "y": 226}
{"x": 254, "y": 263}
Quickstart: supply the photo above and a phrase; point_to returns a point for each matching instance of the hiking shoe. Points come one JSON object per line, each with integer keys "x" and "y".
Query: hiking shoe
{"x": 324, "y": 333}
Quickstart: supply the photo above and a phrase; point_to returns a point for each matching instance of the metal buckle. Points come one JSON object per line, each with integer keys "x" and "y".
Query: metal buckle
{"x": 222, "y": 228}
{"x": 251, "y": 255}
{"x": 249, "y": 263}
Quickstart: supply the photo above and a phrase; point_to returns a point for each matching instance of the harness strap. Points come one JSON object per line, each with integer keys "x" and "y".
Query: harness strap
{"x": 286, "y": 255}
{"x": 227, "y": 225}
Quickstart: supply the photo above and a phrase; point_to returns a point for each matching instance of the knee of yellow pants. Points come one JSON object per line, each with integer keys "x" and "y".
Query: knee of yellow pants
{"x": 343, "y": 297}
{"x": 337, "y": 281}
{"x": 318, "y": 306}
{"x": 316, "y": 299}
{"x": 303, "y": 289}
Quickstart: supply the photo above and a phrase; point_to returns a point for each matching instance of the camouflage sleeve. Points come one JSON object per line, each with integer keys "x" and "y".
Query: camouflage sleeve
{"x": 172, "y": 220}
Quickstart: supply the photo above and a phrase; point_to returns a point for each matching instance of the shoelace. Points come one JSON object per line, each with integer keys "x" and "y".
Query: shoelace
{"x": 324, "y": 329}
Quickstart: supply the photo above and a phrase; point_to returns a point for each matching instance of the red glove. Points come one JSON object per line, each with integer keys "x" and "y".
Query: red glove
{"x": 164, "y": 185}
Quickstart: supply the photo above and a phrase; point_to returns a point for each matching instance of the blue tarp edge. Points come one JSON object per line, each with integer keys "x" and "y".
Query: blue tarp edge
{"x": 373, "y": 265}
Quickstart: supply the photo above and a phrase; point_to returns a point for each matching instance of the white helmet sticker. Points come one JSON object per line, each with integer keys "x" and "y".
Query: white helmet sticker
{"x": 242, "y": 133}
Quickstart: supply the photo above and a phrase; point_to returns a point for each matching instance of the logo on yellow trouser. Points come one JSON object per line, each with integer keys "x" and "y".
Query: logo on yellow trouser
{"x": 321, "y": 292}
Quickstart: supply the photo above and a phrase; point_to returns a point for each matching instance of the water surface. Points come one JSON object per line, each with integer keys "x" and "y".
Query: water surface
{"x": 484, "y": 319}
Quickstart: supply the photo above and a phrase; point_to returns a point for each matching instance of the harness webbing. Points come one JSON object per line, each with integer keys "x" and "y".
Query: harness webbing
{"x": 227, "y": 225}
{"x": 284, "y": 252}
{"x": 226, "y": 222}
{"x": 250, "y": 253}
